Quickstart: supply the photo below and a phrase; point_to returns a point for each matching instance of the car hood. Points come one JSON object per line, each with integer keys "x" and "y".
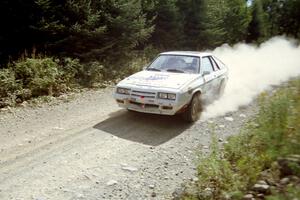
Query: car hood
{"x": 159, "y": 79}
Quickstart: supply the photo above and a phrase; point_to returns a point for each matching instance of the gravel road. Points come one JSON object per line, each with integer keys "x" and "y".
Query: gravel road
{"x": 88, "y": 148}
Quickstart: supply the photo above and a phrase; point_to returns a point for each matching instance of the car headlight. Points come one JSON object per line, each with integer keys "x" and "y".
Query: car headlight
{"x": 163, "y": 95}
{"x": 123, "y": 90}
{"x": 171, "y": 96}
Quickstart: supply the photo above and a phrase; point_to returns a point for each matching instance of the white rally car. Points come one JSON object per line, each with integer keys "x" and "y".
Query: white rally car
{"x": 175, "y": 82}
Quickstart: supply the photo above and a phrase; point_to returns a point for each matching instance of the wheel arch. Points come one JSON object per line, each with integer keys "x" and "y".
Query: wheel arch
{"x": 188, "y": 112}
{"x": 196, "y": 91}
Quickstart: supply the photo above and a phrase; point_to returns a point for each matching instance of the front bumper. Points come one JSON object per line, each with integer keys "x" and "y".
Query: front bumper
{"x": 147, "y": 102}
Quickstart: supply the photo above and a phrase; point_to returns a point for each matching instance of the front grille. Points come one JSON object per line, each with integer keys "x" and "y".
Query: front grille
{"x": 144, "y": 94}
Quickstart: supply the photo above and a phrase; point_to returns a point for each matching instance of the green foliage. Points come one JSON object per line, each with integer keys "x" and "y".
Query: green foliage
{"x": 8, "y": 82}
{"x": 8, "y": 87}
{"x": 283, "y": 17}
{"x": 278, "y": 125}
{"x": 236, "y": 21}
{"x": 292, "y": 193}
{"x": 272, "y": 134}
{"x": 91, "y": 73}
{"x": 108, "y": 30}
{"x": 191, "y": 13}
{"x": 35, "y": 77}
{"x": 288, "y": 22}
{"x": 217, "y": 174}
{"x": 38, "y": 75}
{"x": 210, "y": 23}
{"x": 213, "y": 15}
{"x": 17, "y": 34}
{"x": 168, "y": 25}
{"x": 257, "y": 28}
{"x": 70, "y": 71}
{"x": 91, "y": 29}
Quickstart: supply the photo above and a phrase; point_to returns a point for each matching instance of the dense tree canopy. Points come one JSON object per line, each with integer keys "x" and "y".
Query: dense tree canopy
{"x": 283, "y": 17}
{"x": 17, "y": 19}
{"x": 191, "y": 13}
{"x": 237, "y": 19}
{"x": 109, "y": 29}
{"x": 257, "y": 26}
{"x": 91, "y": 29}
{"x": 168, "y": 25}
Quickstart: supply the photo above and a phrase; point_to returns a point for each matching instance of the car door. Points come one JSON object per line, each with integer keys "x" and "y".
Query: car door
{"x": 207, "y": 71}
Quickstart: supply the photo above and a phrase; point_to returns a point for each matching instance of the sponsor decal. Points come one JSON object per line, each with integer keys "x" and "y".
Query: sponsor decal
{"x": 157, "y": 77}
{"x": 152, "y": 77}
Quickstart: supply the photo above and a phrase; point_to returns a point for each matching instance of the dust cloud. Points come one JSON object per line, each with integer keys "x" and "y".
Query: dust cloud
{"x": 253, "y": 69}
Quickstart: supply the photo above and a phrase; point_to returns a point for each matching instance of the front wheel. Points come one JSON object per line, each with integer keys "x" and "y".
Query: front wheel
{"x": 194, "y": 109}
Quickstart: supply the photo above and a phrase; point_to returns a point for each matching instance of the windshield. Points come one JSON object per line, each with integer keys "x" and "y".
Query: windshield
{"x": 176, "y": 63}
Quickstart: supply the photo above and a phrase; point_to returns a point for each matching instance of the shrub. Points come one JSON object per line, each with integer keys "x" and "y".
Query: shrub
{"x": 39, "y": 75}
{"x": 292, "y": 193}
{"x": 135, "y": 65}
{"x": 34, "y": 77}
{"x": 217, "y": 175}
{"x": 91, "y": 73}
{"x": 70, "y": 71}
{"x": 8, "y": 87}
{"x": 121, "y": 70}
{"x": 8, "y": 83}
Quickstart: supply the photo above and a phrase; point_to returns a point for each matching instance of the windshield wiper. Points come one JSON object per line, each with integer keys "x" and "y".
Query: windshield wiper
{"x": 153, "y": 69}
{"x": 175, "y": 70}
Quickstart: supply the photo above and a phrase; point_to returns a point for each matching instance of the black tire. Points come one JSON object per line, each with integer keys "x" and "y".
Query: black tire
{"x": 194, "y": 109}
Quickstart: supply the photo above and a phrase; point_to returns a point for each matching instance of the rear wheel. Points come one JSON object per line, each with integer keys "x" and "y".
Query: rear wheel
{"x": 194, "y": 109}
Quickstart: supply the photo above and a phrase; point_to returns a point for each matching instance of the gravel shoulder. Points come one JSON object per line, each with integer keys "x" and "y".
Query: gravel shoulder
{"x": 88, "y": 148}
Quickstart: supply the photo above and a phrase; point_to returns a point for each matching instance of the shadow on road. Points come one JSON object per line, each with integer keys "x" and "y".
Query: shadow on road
{"x": 143, "y": 128}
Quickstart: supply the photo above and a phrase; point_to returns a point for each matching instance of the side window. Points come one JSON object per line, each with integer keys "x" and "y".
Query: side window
{"x": 220, "y": 63}
{"x": 206, "y": 65}
{"x": 215, "y": 65}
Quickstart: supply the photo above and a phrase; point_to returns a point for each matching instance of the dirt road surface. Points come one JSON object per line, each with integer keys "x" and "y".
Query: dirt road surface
{"x": 88, "y": 148}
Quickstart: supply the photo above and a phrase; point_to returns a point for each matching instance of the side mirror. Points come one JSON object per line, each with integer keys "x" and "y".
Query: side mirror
{"x": 206, "y": 73}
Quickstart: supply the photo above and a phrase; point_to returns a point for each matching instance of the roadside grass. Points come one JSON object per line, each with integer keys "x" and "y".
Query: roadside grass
{"x": 273, "y": 133}
{"x": 292, "y": 193}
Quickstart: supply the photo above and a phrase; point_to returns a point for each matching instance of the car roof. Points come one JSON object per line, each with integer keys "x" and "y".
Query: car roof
{"x": 187, "y": 53}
